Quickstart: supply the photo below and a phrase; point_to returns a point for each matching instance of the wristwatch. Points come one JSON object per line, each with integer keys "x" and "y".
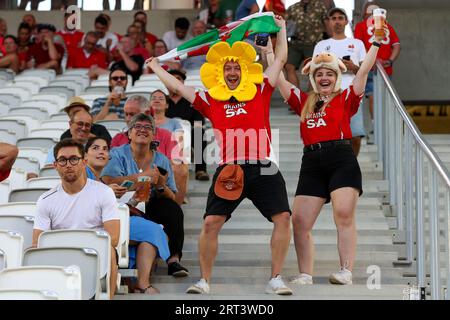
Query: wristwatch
{"x": 161, "y": 189}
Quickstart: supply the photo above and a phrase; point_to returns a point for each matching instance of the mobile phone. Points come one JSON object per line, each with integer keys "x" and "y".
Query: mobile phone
{"x": 346, "y": 58}
{"x": 162, "y": 171}
{"x": 127, "y": 184}
{"x": 262, "y": 39}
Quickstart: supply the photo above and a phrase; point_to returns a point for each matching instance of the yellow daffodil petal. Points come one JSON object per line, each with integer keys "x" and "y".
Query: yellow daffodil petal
{"x": 208, "y": 74}
{"x": 244, "y": 51}
{"x": 247, "y": 94}
{"x": 220, "y": 92}
{"x": 218, "y": 51}
{"x": 255, "y": 73}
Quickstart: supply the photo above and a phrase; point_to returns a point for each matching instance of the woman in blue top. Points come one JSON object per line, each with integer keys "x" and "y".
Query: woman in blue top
{"x": 139, "y": 158}
{"x": 159, "y": 103}
{"x": 147, "y": 239}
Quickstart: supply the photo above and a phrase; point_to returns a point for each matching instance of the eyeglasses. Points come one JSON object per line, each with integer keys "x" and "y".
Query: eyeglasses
{"x": 62, "y": 162}
{"x": 82, "y": 124}
{"x": 119, "y": 78}
{"x": 139, "y": 127}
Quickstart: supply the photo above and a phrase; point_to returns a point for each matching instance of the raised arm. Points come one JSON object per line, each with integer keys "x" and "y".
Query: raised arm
{"x": 281, "y": 50}
{"x": 170, "y": 81}
{"x": 359, "y": 82}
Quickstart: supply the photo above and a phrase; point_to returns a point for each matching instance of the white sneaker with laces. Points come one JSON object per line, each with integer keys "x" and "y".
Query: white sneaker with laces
{"x": 302, "y": 278}
{"x": 277, "y": 286}
{"x": 343, "y": 276}
{"x": 201, "y": 287}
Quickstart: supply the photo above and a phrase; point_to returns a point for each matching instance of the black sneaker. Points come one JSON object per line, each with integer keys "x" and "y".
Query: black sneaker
{"x": 177, "y": 270}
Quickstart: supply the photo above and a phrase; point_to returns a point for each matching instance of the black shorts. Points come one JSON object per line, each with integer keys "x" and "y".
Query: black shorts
{"x": 328, "y": 169}
{"x": 266, "y": 191}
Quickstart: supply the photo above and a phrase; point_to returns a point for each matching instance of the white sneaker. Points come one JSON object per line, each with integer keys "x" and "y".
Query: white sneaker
{"x": 302, "y": 278}
{"x": 343, "y": 276}
{"x": 201, "y": 287}
{"x": 277, "y": 286}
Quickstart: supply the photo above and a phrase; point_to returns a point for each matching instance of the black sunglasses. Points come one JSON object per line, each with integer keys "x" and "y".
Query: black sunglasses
{"x": 119, "y": 78}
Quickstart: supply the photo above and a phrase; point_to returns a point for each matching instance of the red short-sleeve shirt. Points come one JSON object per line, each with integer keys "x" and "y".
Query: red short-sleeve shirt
{"x": 78, "y": 59}
{"x": 241, "y": 129}
{"x": 332, "y": 123}
{"x": 41, "y": 55}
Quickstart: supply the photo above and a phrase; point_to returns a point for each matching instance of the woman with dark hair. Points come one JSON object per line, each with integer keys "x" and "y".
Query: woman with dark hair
{"x": 147, "y": 239}
{"x": 139, "y": 159}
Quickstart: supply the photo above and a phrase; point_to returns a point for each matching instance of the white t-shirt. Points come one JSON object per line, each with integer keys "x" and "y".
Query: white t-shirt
{"x": 88, "y": 209}
{"x": 171, "y": 40}
{"x": 341, "y": 48}
{"x": 108, "y": 35}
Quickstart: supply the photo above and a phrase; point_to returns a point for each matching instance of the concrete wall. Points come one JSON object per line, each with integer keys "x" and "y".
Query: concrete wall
{"x": 159, "y": 20}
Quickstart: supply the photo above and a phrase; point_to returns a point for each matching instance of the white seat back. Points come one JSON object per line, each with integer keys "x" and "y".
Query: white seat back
{"x": 24, "y": 194}
{"x": 2, "y": 260}
{"x": 11, "y": 243}
{"x": 46, "y": 133}
{"x": 8, "y": 136}
{"x": 113, "y": 124}
{"x": 4, "y": 192}
{"x": 27, "y": 164}
{"x": 85, "y": 258}
{"x": 21, "y": 224}
{"x": 45, "y": 143}
{"x": 38, "y": 153}
{"x": 17, "y": 178}
{"x": 22, "y": 294}
{"x": 65, "y": 281}
{"x": 44, "y": 182}
{"x": 48, "y": 172}
{"x": 18, "y": 208}
{"x": 98, "y": 240}
{"x": 124, "y": 238}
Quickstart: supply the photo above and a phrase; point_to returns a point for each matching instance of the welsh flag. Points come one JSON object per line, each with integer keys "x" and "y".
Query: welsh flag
{"x": 258, "y": 22}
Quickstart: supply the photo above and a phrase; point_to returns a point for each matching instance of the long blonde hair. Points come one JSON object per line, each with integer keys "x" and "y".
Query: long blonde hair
{"x": 311, "y": 104}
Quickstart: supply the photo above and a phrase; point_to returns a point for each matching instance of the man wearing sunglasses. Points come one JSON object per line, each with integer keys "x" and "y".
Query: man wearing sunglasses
{"x": 78, "y": 202}
{"x": 80, "y": 129}
{"x": 111, "y": 107}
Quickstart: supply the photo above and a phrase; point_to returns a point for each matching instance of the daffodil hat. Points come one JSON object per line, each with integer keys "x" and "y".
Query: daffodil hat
{"x": 212, "y": 75}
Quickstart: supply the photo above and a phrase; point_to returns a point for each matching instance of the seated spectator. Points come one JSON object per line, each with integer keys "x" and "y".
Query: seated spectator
{"x": 133, "y": 106}
{"x": 24, "y": 39}
{"x": 106, "y": 39}
{"x": 142, "y": 17}
{"x": 159, "y": 103}
{"x": 88, "y": 56}
{"x": 159, "y": 49}
{"x": 11, "y": 59}
{"x": 194, "y": 63}
{"x": 137, "y": 159}
{"x": 147, "y": 239}
{"x": 45, "y": 53}
{"x": 178, "y": 36}
{"x": 179, "y": 107}
{"x": 78, "y": 202}
{"x": 97, "y": 130}
{"x": 3, "y": 32}
{"x": 80, "y": 129}
{"x": 8, "y": 154}
{"x": 208, "y": 15}
{"x": 140, "y": 47}
{"x": 71, "y": 36}
{"x": 111, "y": 107}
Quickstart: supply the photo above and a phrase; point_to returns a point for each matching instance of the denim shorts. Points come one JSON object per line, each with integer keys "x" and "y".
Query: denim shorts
{"x": 357, "y": 123}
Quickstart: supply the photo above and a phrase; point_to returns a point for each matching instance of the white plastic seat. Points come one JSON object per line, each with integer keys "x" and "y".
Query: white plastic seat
{"x": 35, "y": 112}
{"x": 23, "y": 93}
{"x": 4, "y": 108}
{"x": 8, "y": 136}
{"x": 43, "y": 182}
{"x": 83, "y": 80}
{"x": 46, "y": 133}
{"x": 140, "y": 92}
{"x": 38, "y": 153}
{"x": 22, "y": 224}
{"x": 30, "y": 122}
{"x": 4, "y": 192}
{"x": 2, "y": 261}
{"x": 55, "y": 124}
{"x": 49, "y": 106}
{"x": 26, "y": 194}
{"x": 58, "y": 89}
{"x": 48, "y": 74}
{"x": 17, "y": 126}
{"x": 100, "y": 83}
{"x": 27, "y": 164}
{"x": 98, "y": 240}
{"x": 10, "y": 99}
{"x": 17, "y": 178}
{"x": 18, "y": 208}
{"x": 77, "y": 71}
{"x": 90, "y": 97}
{"x": 26, "y": 294}
{"x": 65, "y": 281}
{"x": 41, "y": 142}
{"x": 85, "y": 258}
{"x": 124, "y": 238}
{"x": 113, "y": 124}
{"x": 48, "y": 172}
{"x": 11, "y": 243}
{"x": 40, "y": 80}
{"x": 59, "y": 99}
{"x": 76, "y": 86}
{"x": 104, "y": 90}
{"x": 148, "y": 76}
{"x": 31, "y": 86}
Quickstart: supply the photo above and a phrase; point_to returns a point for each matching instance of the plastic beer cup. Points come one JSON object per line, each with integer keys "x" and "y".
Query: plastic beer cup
{"x": 143, "y": 188}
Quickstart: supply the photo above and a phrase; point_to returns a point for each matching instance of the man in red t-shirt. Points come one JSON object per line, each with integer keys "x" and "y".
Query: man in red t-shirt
{"x": 237, "y": 104}
{"x": 142, "y": 16}
{"x": 72, "y": 37}
{"x": 46, "y": 53}
{"x": 8, "y": 154}
{"x": 387, "y": 53}
{"x": 88, "y": 55}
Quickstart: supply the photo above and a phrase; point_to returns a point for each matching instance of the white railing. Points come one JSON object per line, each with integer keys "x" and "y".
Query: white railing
{"x": 419, "y": 188}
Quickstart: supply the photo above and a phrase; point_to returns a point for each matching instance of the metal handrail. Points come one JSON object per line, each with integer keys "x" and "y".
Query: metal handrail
{"x": 401, "y": 149}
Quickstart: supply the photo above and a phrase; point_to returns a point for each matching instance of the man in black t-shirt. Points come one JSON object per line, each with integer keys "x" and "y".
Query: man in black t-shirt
{"x": 179, "y": 107}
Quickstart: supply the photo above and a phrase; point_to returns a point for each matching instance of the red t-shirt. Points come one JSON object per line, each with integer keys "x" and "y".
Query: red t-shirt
{"x": 40, "y": 55}
{"x": 151, "y": 38}
{"x": 77, "y": 59}
{"x": 72, "y": 39}
{"x": 166, "y": 144}
{"x": 4, "y": 174}
{"x": 2, "y": 48}
{"x": 241, "y": 129}
{"x": 333, "y": 123}
{"x": 364, "y": 32}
